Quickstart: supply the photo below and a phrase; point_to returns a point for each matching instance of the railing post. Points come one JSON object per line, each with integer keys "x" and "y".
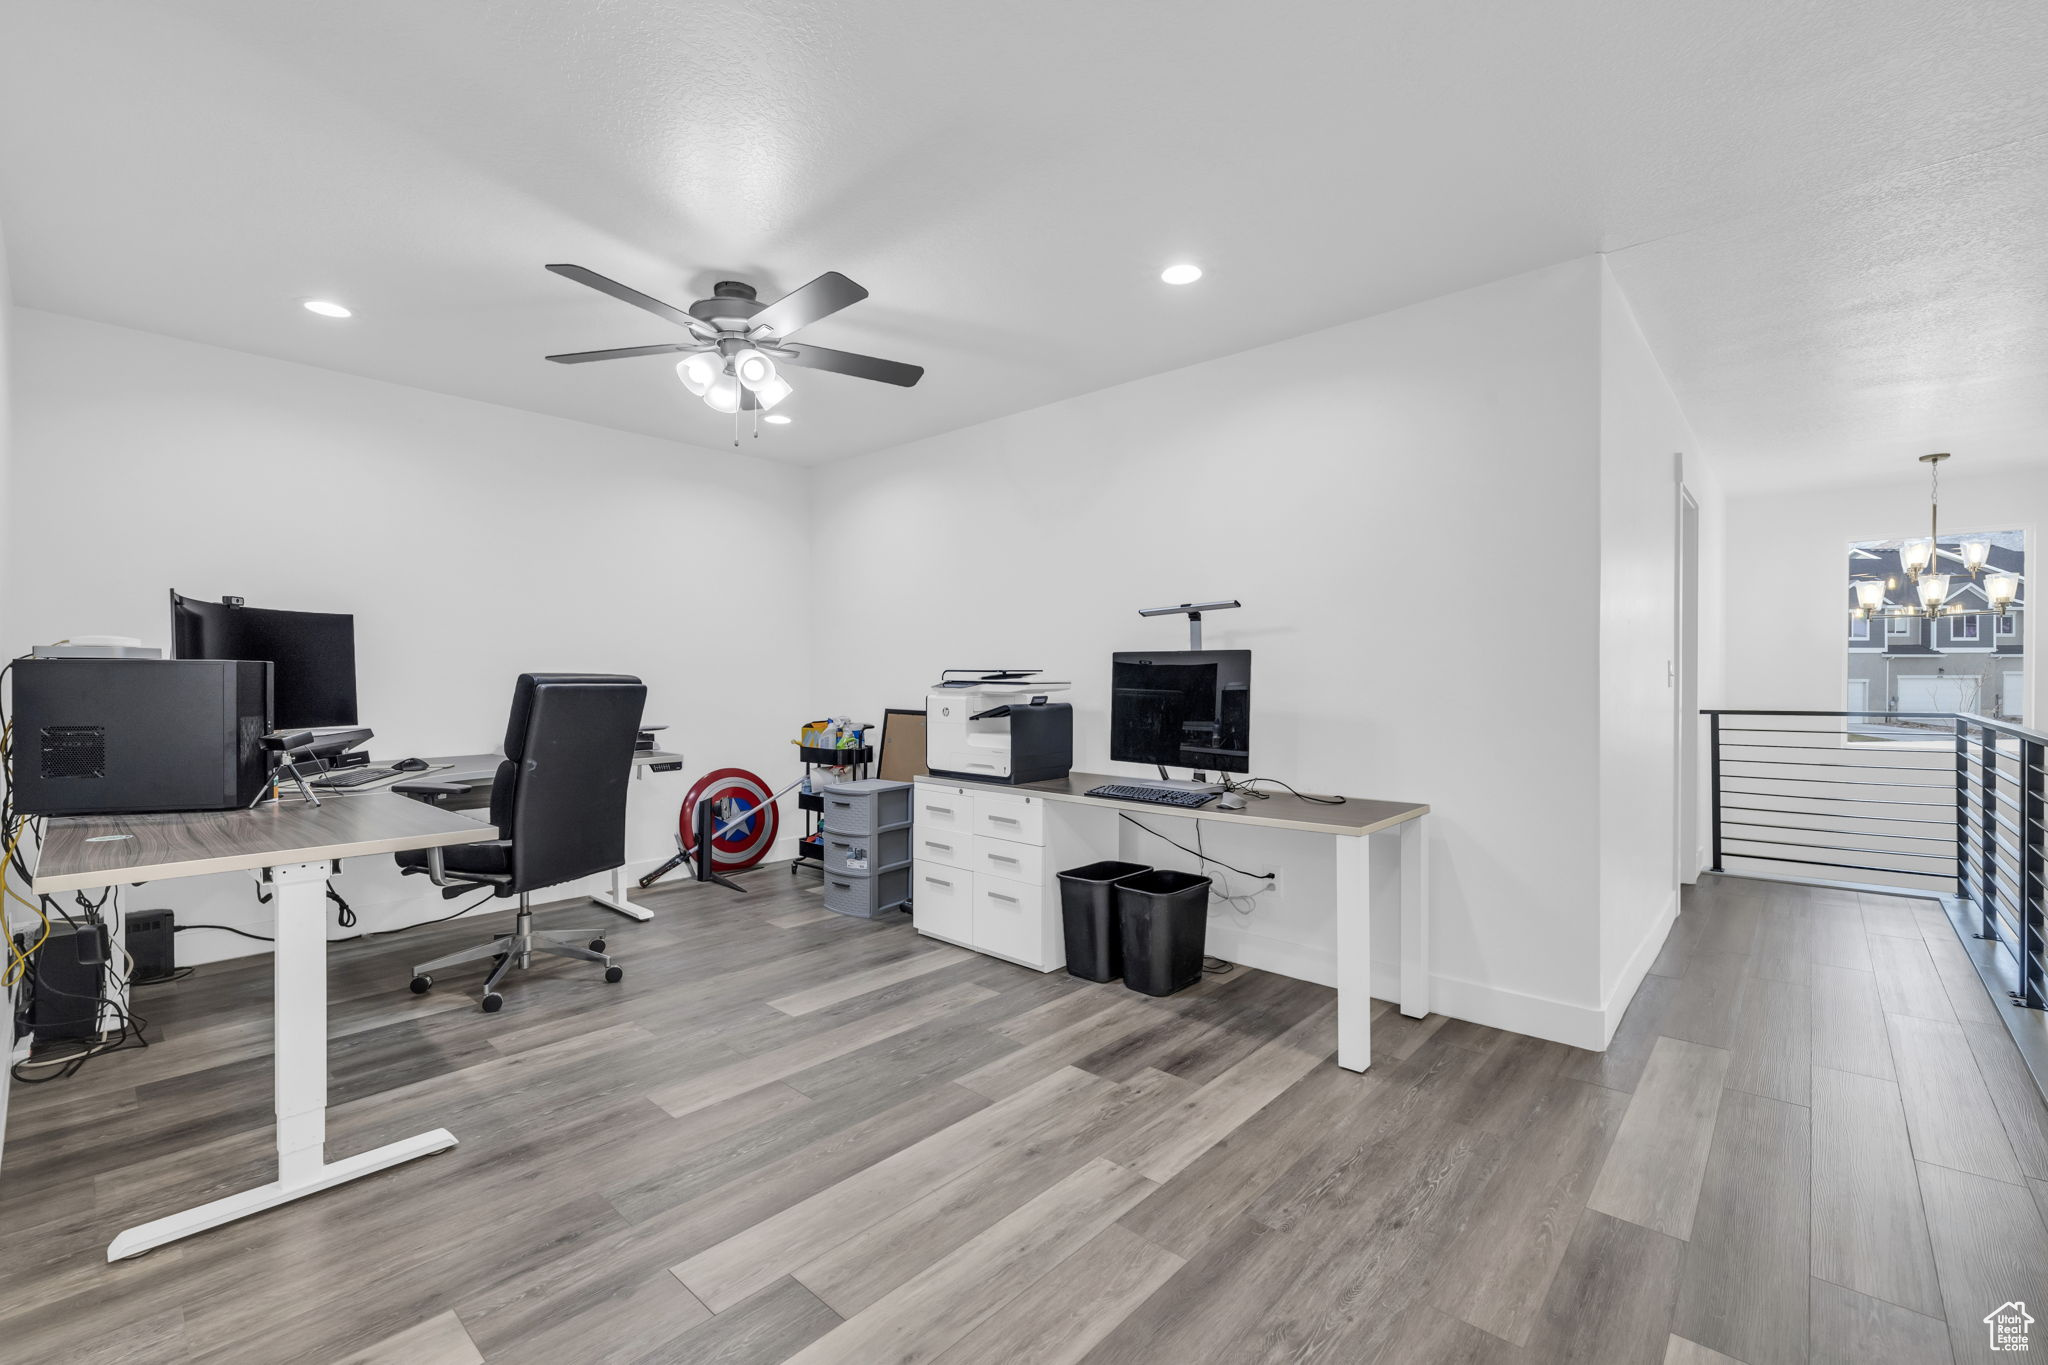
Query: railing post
{"x": 2033, "y": 900}
{"x": 1714, "y": 768}
{"x": 1962, "y": 807}
{"x": 1987, "y": 830}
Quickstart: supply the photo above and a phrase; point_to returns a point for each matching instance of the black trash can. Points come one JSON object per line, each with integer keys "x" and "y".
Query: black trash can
{"x": 1095, "y": 944}
{"x": 1166, "y": 920}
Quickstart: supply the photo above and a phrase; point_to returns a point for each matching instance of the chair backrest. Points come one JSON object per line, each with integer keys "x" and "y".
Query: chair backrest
{"x": 560, "y": 794}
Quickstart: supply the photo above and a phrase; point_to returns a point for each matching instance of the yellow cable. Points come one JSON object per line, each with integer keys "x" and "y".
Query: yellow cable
{"x": 19, "y": 969}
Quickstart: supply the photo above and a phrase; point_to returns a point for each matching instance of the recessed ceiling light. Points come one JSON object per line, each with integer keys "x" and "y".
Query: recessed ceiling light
{"x": 1185, "y": 273}
{"x": 780, "y": 419}
{"x": 326, "y": 309}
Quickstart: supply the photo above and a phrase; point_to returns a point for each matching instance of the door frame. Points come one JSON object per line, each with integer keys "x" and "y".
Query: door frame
{"x": 1687, "y": 854}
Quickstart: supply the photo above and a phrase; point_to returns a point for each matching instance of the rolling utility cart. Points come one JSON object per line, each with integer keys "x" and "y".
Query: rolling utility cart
{"x": 811, "y": 848}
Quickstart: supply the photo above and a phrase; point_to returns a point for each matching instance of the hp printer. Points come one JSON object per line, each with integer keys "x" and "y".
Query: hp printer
{"x": 997, "y": 725}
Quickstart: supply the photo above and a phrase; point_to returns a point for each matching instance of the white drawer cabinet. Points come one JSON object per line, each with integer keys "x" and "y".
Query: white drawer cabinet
{"x": 998, "y": 815}
{"x": 943, "y": 846}
{"x": 1002, "y": 858}
{"x": 1010, "y": 920}
{"x": 988, "y": 864}
{"x": 942, "y": 810}
{"x": 943, "y": 897}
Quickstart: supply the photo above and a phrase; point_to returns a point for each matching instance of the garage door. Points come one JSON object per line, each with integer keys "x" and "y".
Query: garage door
{"x": 2013, "y": 702}
{"x": 1938, "y": 694}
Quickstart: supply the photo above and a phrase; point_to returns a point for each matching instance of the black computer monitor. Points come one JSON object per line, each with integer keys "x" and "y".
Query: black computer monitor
{"x": 312, "y": 655}
{"x": 1182, "y": 708}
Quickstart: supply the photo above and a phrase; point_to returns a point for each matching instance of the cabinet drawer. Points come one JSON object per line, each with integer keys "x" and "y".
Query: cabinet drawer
{"x": 954, "y": 849}
{"x": 1009, "y": 919}
{"x": 939, "y": 809}
{"x": 1008, "y": 858}
{"x": 1018, "y": 818}
{"x": 944, "y": 897}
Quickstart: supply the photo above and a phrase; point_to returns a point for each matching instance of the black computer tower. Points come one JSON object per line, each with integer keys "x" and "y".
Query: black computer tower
{"x": 99, "y": 736}
{"x": 61, "y": 998}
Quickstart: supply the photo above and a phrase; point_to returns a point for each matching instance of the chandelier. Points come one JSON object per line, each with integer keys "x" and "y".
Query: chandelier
{"x": 1921, "y": 560}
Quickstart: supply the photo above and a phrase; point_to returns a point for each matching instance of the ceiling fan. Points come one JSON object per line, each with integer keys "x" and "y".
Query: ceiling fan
{"x": 736, "y": 341}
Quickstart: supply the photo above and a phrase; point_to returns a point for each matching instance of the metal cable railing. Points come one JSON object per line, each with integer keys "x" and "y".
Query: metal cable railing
{"x": 1981, "y": 840}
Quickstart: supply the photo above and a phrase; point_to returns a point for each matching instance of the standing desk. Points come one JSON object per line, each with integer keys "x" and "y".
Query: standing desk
{"x": 1355, "y": 826}
{"x": 295, "y": 847}
{"x": 474, "y": 773}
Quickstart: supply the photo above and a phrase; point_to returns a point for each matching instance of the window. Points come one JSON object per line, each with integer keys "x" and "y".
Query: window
{"x": 1921, "y": 667}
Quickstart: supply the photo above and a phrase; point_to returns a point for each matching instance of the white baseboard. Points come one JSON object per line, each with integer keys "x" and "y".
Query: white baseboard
{"x": 1638, "y": 967}
{"x": 1539, "y": 1016}
{"x": 1493, "y": 1006}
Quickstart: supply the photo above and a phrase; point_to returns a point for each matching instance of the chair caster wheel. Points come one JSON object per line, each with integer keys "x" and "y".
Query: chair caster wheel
{"x": 597, "y": 945}
{"x": 493, "y": 1003}
{"x": 615, "y": 974}
{"x": 422, "y": 984}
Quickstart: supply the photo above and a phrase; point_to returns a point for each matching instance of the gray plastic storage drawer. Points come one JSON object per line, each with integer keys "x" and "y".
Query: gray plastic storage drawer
{"x": 866, "y": 807}
{"x": 866, "y": 853}
{"x": 865, "y": 897}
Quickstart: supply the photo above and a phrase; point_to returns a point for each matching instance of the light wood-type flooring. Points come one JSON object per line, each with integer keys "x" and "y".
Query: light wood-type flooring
{"x": 792, "y": 1136}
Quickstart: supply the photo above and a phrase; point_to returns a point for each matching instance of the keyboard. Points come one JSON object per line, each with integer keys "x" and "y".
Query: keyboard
{"x": 353, "y": 777}
{"x": 1157, "y": 796}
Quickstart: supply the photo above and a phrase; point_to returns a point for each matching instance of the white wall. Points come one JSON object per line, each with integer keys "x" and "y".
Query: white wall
{"x": 1644, "y": 442}
{"x": 6, "y": 606}
{"x": 1390, "y": 498}
{"x": 472, "y": 542}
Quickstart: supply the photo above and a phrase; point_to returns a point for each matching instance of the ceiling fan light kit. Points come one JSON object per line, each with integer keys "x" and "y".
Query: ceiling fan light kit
{"x": 738, "y": 344}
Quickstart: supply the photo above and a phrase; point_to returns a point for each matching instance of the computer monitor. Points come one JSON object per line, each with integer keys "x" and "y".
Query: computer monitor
{"x": 312, "y": 655}
{"x": 1182, "y": 708}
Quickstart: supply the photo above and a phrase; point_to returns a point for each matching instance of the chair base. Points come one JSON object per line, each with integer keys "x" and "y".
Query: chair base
{"x": 517, "y": 949}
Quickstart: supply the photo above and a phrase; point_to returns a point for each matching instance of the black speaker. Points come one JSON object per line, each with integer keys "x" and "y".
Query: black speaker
{"x": 65, "y": 979}
{"x": 152, "y": 942}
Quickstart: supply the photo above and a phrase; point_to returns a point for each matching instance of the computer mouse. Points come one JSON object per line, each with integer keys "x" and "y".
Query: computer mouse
{"x": 1230, "y": 801}
{"x": 411, "y": 765}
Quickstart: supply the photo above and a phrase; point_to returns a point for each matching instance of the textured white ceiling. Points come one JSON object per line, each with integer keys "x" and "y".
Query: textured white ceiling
{"x": 1828, "y": 214}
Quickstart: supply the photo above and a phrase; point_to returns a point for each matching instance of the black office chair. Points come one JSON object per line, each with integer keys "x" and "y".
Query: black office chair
{"x": 559, "y": 802}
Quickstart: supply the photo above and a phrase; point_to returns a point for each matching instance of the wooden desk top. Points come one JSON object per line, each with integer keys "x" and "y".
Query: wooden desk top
{"x": 84, "y": 852}
{"x": 1356, "y": 816}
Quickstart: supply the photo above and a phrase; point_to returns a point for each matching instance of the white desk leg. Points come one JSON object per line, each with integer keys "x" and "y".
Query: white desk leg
{"x": 1415, "y": 917}
{"x": 617, "y": 899}
{"x": 1354, "y": 952}
{"x": 299, "y": 1026}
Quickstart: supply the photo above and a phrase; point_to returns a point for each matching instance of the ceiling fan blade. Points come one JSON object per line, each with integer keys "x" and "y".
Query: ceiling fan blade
{"x": 622, "y": 352}
{"x": 805, "y": 304}
{"x": 847, "y": 362}
{"x": 697, "y": 326}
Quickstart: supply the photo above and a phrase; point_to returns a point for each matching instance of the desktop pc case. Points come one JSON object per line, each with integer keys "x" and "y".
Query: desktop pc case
{"x": 107, "y": 736}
